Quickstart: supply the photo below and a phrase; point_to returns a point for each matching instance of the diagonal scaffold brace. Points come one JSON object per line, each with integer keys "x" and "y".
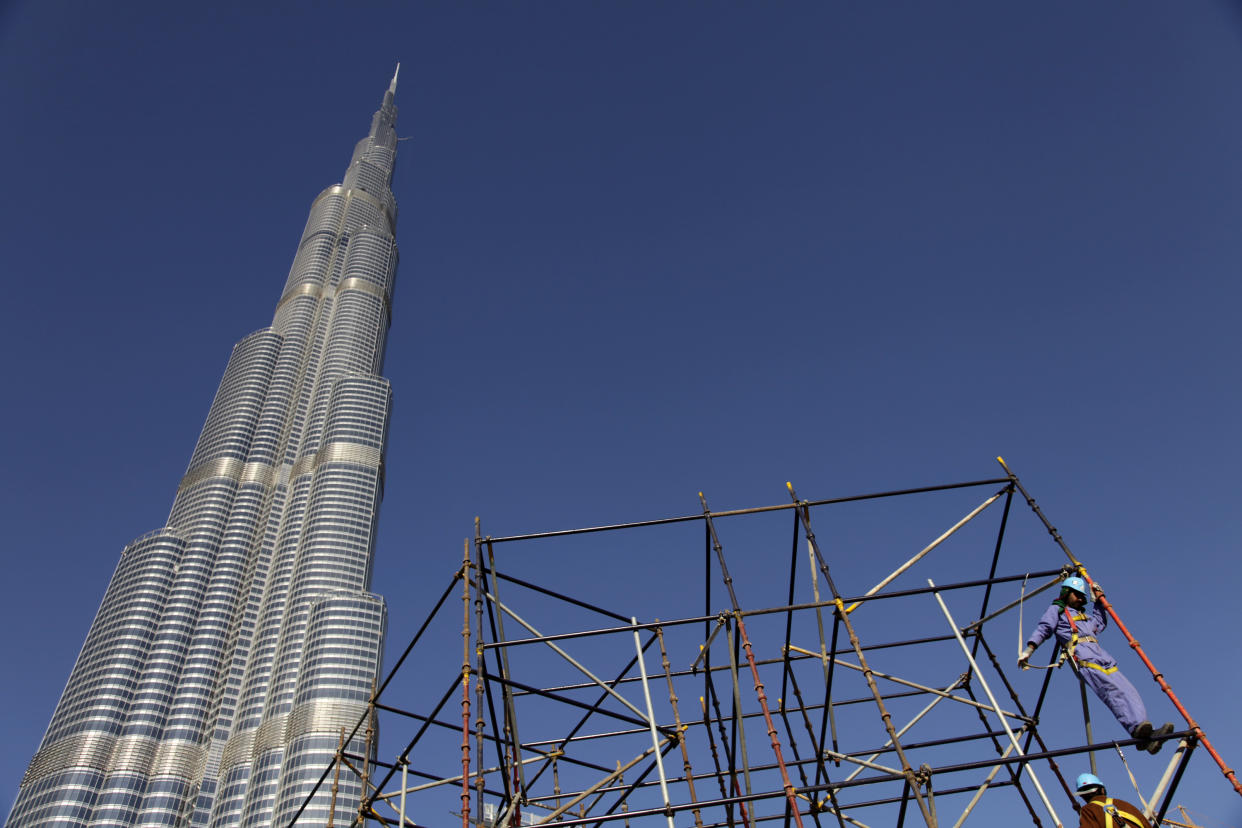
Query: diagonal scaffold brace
{"x": 1195, "y": 729}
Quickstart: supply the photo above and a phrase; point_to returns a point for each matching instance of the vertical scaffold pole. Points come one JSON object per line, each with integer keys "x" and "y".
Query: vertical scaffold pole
{"x": 465, "y": 692}
{"x": 995, "y": 705}
{"x": 829, "y": 665}
{"x": 517, "y": 768}
{"x": 739, "y": 719}
{"x": 480, "y": 667}
{"x": 681, "y": 728}
{"x": 790, "y": 796}
{"x": 367, "y": 798}
{"x": 817, "y": 805}
{"x": 1134, "y": 645}
{"x": 336, "y": 779}
{"x": 405, "y": 781}
{"x": 1086, "y": 716}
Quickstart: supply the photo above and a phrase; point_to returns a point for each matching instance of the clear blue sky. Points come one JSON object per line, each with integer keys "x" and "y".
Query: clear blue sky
{"x": 648, "y": 250}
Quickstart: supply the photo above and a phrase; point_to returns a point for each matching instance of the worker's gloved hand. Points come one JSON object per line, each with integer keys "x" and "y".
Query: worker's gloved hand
{"x": 1096, "y": 589}
{"x": 1025, "y": 657}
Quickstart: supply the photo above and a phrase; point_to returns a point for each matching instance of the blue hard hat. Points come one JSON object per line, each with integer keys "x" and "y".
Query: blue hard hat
{"x": 1075, "y": 583}
{"x": 1088, "y": 781}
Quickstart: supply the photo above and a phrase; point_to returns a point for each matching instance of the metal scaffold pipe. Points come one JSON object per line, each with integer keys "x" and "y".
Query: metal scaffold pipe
{"x": 1182, "y": 747}
{"x": 681, "y": 729}
{"x": 655, "y": 735}
{"x": 923, "y": 552}
{"x": 996, "y": 707}
{"x": 465, "y": 694}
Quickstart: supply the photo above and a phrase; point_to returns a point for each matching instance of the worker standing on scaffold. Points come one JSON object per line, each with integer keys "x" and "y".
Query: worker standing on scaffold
{"x": 1102, "y": 811}
{"x": 1076, "y": 631}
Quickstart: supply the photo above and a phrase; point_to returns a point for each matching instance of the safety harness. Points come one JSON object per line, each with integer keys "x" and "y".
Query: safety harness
{"x": 1075, "y": 638}
{"x": 1112, "y": 813}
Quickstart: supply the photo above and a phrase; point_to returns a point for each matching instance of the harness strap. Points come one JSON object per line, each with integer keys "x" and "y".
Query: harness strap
{"x": 1073, "y": 642}
{"x": 1112, "y": 812}
{"x": 1105, "y": 670}
{"x": 1076, "y": 639}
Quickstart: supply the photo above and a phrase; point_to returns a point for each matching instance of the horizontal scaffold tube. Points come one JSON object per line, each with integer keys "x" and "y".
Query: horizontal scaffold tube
{"x": 699, "y": 619}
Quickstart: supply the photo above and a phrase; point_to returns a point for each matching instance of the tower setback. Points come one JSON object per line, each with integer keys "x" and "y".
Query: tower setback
{"x": 234, "y": 643}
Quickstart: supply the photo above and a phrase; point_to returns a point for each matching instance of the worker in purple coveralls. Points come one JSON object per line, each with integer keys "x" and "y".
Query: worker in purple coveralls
{"x": 1076, "y": 630}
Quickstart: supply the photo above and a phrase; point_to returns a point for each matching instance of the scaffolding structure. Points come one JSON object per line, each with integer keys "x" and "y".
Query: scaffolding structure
{"x": 613, "y": 675}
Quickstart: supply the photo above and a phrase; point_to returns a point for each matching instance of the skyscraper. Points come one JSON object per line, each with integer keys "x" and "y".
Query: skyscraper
{"x": 234, "y": 643}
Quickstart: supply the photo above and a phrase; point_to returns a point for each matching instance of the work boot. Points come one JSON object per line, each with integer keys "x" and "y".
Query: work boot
{"x": 1142, "y": 732}
{"x": 1153, "y": 747}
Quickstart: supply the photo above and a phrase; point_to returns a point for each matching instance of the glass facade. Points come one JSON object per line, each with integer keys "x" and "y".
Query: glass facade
{"x": 233, "y": 644}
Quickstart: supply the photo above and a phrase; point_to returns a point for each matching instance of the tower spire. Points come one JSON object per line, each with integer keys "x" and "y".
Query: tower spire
{"x": 392, "y": 89}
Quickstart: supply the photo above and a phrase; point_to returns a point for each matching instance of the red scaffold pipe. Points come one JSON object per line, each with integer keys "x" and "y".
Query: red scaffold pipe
{"x": 1134, "y": 645}
{"x": 465, "y": 751}
{"x": 790, "y": 796}
{"x": 465, "y": 687}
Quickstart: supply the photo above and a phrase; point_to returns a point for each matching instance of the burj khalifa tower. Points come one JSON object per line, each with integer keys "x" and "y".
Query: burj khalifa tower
{"x": 235, "y": 642}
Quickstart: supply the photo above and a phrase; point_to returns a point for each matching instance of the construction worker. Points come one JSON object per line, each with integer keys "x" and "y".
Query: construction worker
{"x": 1102, "y": 811}
{"x": 1076, "y": 630}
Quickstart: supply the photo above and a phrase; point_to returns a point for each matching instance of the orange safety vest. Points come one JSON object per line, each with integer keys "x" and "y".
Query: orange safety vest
{"x": 1114, "y": 816}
